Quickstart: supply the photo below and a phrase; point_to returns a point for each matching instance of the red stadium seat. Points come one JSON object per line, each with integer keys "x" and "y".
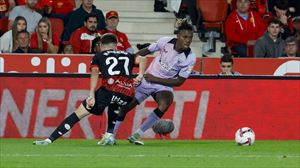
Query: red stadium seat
{"x": 4, "y": 24}
{"x": 57, "y": 26}
{"x": 212, "y": 13}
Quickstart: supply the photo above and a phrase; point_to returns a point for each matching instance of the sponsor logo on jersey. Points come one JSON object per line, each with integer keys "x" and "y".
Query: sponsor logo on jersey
{"x": 123, "y": 84}
{"x": 115, "y": 52}
{"x": 85, "y": 36}
{"x": 166, "y": 67}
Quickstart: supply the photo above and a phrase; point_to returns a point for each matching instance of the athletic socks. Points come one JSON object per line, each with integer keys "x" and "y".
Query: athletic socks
{"x": 64, "y": 127}
{"x": 119, "y": 121}
{"x": 111, "y": 119}
{"x": 151, "y": 119}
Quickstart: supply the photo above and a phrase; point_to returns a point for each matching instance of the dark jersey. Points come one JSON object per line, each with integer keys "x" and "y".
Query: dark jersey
{"x": 116, "y": 70}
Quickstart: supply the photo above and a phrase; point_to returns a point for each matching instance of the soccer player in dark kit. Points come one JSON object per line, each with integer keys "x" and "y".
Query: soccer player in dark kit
{"x": 116, "y": 89}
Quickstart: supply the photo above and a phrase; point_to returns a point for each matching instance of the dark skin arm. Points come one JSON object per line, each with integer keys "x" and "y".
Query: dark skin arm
{"x": 143, "y": 52}
{"x": 167, "y": 82}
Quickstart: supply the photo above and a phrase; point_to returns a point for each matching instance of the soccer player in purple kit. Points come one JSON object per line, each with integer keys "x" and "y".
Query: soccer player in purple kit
{"x": 170, "y": 68}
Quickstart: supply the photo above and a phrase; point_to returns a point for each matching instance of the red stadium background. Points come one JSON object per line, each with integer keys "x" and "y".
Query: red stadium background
{"x": 54, "y": 63}
{"x": 203, "y": 108}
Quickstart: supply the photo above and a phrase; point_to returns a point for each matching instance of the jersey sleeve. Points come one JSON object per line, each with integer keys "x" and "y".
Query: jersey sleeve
{"x": 159, "y": 44}
{"x": 126, "y": 42}
{"x": 14, "y": 13}
{"x": 75, "y": 41}
{"x": 33, "y": 41}
{"x": 55, "y": 39}
{"x": 188, "y": 66}
{"x": 95, "y": 61}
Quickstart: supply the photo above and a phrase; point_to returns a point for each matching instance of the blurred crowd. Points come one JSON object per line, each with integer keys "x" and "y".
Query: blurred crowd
{"x": 251, "y": 28}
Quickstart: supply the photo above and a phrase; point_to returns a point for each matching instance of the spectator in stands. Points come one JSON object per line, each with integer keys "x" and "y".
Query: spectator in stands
{"x": 23, "y": 40}
{"x": 296, "y": 23}
{"x": 6, "y": 6}
{"x": 96, "y": 45}
{"x": 20, "y": 2}
{"x": 187, "y": 11}
{"x": 259, "y": 6}
{"x": 112, "y": 21}
{"x": 281, "y": 12}
{"x": 28, "y": 12}
{"x": 297, "y": 36}
{"x": 291, "y": 47}
{"x": 243, "y": 28}
{"x": 294, "y": 6}
{"x": 8, "y": 41}
{"x": 77, "y": 17}
{"x": 56, "y": 8}
{"x": 159, "y": 6}
{"x": 43, "y": 39}
{"x": 271, "y": 44}
{"x": 68, "y": 49}
{"x": 82, "y": 38}
{"x": 226, "y": 65}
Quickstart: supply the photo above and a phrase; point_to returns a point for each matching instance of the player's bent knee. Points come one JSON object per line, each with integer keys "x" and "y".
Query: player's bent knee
{"x": 81, "y": 111}
{"x": 164, "y": 106}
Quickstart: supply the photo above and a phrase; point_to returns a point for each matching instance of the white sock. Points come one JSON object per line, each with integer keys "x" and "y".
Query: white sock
{"x": 117, "y": 126}
{"x": 139, "y": 131}
{"x": 48, "y": 140}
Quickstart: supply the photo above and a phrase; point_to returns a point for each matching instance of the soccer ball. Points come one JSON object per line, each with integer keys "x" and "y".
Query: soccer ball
{"x": 245, "y": 136}
{"x": 163, "y": 126}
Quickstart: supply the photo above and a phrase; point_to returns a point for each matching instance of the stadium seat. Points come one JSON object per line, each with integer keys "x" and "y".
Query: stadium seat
{"x": 4, "y": 24}
{"x": 250, "y": 50}
{"x": 212, "y": 14}
{"x": 57, "y": 26}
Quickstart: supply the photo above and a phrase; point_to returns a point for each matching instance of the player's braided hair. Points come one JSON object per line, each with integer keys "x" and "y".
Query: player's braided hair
{"x": 185, "y": 26}
{"x": 163, "y": 127}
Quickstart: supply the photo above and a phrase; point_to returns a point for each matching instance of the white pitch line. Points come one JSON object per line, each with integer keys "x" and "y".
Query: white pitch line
{"x": 153, "y": 156}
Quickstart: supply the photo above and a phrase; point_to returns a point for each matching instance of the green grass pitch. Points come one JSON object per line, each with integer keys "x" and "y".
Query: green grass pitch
{"x": 156, "y": 153}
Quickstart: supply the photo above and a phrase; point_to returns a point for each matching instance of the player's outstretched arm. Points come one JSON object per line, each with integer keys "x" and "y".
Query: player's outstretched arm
{"x": 142, "y": 66}
{"x": 167, "y": 82}
{"x": 93, "y": 84}
{"x": 143, "y": 52}
{"x": 142, "y": 61}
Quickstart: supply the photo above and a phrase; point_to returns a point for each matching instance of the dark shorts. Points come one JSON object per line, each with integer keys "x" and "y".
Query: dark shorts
{"x": 104, "y": 98}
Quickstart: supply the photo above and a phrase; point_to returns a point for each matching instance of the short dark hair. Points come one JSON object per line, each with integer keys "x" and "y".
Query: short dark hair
{"x": 185, "y": 26}
{"x": 274, "y": 21}
{"x": 91, "y": 15}
{"x": 109, "y": 38}
{"x": 23, "y": 31}
{"x": 94, "y": 42}
{"x": 291, "y": 39}
{"x": 282, "y": 4}
{"x": 226, "y": 58}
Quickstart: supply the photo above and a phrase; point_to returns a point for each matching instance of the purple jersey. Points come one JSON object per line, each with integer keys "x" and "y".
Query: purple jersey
{"x": 170, "y": 63}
